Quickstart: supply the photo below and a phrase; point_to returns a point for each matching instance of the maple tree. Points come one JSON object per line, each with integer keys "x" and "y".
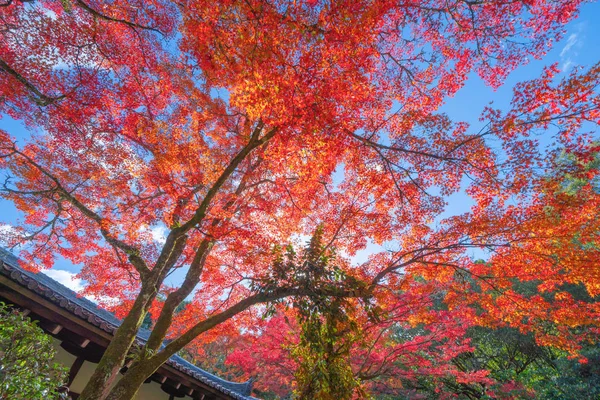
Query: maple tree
{"x": 330, "y": 347}
{"x": 239, "y": 125}
{"x": 362, "y": 356}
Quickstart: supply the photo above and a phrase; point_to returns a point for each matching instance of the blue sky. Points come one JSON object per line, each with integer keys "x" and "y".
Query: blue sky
{"x": 580, "y": 46}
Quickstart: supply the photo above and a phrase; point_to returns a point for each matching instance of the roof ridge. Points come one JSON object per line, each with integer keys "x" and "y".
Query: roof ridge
{"x": 69, "y": 300}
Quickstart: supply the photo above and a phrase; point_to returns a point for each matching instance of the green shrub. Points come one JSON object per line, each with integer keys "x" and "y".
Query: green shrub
{"x": 27, "y": 367}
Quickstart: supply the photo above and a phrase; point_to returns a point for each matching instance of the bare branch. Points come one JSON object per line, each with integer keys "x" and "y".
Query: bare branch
{"x": 370, "y": 143}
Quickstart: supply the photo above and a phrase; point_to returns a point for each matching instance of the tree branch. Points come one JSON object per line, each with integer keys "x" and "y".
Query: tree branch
{"x": 165, "y": 319}
{"x": 40, "y": 98}
{"x": 133, "y": 253}
{"x": 87, "y": 8}
{"x": 370, "y": 143}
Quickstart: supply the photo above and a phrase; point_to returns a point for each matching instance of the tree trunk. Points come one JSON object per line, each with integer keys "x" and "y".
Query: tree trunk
{"x": 134, "y": 378}
{"x": 128, "y": 386}
{"x": 113, "y": 359}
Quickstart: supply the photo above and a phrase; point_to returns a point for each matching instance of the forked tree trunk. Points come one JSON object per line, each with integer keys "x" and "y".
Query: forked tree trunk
{"x": 128, "y": 386}
{"x": 101, "y": 381}
{"x": 134, "y": 378}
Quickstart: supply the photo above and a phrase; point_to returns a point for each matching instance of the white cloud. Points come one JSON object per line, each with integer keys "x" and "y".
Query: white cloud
{"x": 66, "y": 278}
{"x": 7, "y": 234}
{"x": 567, "y": 64}
{"x": 159, "y": 234}
{"x": 5, "y": 230}
{"x": 571, "y": 41}
{"x": 77, "y": 285}
{"x": 570, "y": 51}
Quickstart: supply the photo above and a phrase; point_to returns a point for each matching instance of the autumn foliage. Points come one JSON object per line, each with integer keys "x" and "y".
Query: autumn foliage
{"x": 239, "y": 126}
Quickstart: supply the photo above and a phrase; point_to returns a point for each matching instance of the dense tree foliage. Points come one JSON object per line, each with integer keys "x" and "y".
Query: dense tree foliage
{"x": 234, "y": 126}
{"x": 27, "y": 367}
{"x": 514, "y": 363}
{"x": 328, "y": 329}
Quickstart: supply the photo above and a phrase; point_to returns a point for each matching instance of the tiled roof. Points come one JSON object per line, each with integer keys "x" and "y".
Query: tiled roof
{"x": 105, "y": 320}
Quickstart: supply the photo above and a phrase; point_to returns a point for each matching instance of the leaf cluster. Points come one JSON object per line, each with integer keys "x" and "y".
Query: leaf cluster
{"x": 27, "y": 367}
{"x": 313, "y": 272}
{"x": 328, "y": 331}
